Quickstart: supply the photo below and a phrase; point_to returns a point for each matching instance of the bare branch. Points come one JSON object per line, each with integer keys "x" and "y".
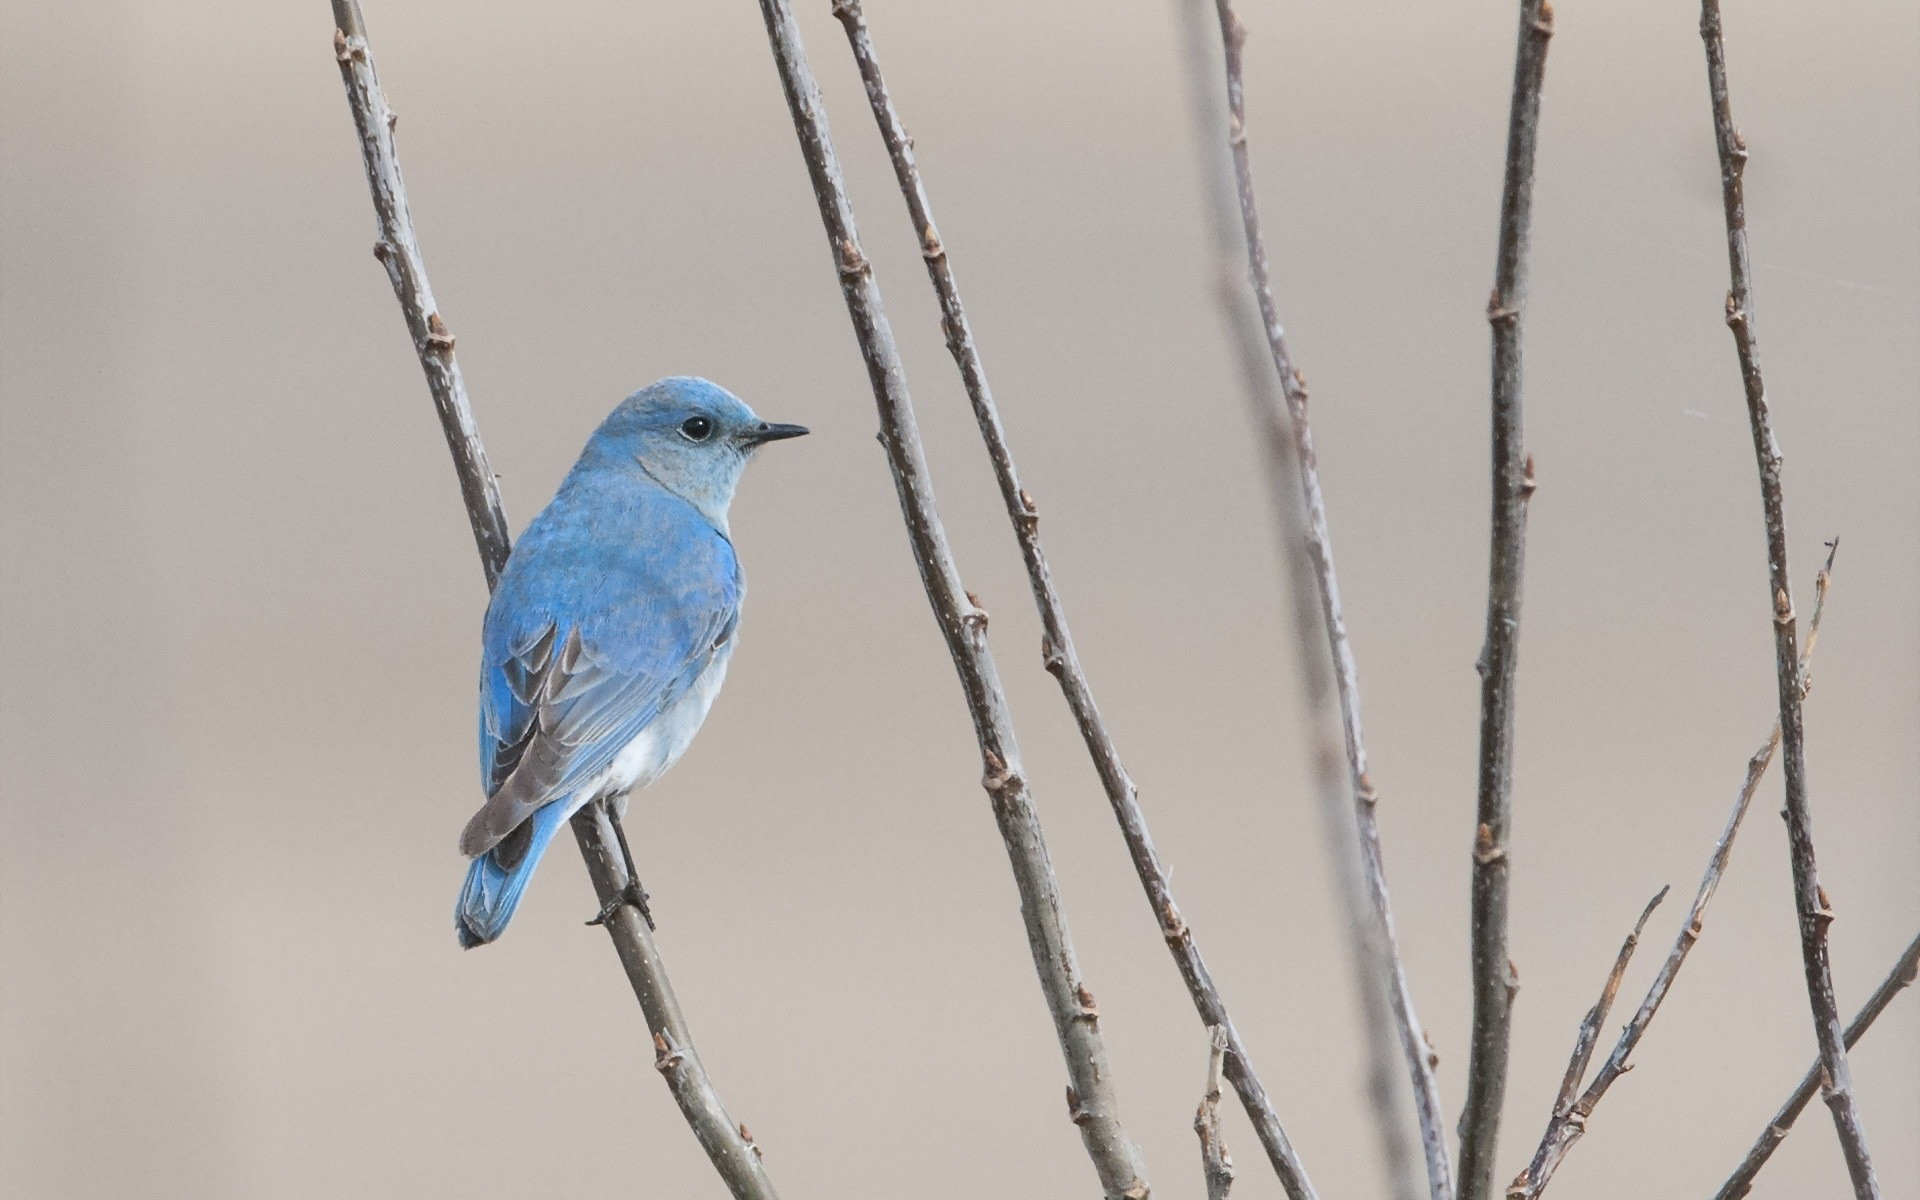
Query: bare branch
{"x": 1777, "y": 1129}
{"x": 725, "y": 1140}
{"x": 1057, "y": 648}
{"x": 1413, "y": 1041}
{"x": 1320, "y": 719}
{"x": 733, "y": 1154}
{"x": 1494, "y": 979}
{"x": 1566, "y": 1122}
{"x": 1091, "y": 1101}
{"x": 399, "y": 251}
{"x": 1214, "y": 1159}
{"x": 1569, "y": 1118}
{"x": 1809, "y": 899}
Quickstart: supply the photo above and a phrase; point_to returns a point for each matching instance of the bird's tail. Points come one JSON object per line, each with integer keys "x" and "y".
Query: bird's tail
{"x": 498, "y": 878}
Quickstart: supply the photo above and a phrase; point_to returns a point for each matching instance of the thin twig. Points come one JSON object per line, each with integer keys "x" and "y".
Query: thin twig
{"x": 1215, "y": 1162}
{"x": 399, "y": 251}
{"x": 1091, "y": 1100}
{"x": 733, "y": 1153}
{"x": 1564, "y": 1105}
{"x": 727, "y": 1142}
{"x": 1569, "y": 1119}
{"x": 1413, "y": 1043}
{"x": 1810, "y": 901}
{"x": 1057, "y": 650}
{"x": 1319, "y": 719}
{"x": 1494, "y": 979}
{"x": 1903, "y": 974}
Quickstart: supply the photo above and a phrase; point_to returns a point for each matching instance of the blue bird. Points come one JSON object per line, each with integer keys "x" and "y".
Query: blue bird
{"x": 609, "y": 632}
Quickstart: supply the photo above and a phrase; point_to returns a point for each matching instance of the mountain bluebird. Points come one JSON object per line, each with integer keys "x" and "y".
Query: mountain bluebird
{"x": 609, "y": 632}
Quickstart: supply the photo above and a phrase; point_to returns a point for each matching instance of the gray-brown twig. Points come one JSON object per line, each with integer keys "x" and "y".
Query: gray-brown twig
{"x": 1091, "y": 1101}
{"x": 1057, "y": 649}
{"x": 1494, "y": 979}
{"x": 1215, "y": 1162}
{"x": 734, "y": 1155}
{"x": 1413, "y": 1043}
{"x": 1810, "y": 901}
{"x": 1565, "y": 1105}
{"x": 733, "y": 1151}
{"x": 1569, "y": 1119}
{"x": 1777, "y": 1129}
{"x": 1320, "y": 720}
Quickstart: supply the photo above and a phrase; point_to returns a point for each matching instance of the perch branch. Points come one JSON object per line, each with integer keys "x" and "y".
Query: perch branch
{"x": 726, "y": 1141}
{"x": 1057, "y": 648}
{"x": 1267, "y": 409}
{"x": 1413, "y": 1043}
{"x": 1494, "y": 979}
{"x": 1810, "y": 900}
{"x": 734, "y": 1155}
{"x": 1214, "y": 1159}
{"x": 1569, "y": 1119}
{"x": 1091, "y": 1101}
{"x": 1777, "y": 1129}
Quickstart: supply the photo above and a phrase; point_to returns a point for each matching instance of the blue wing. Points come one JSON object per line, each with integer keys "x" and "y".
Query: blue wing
{"x": 615, "y": 601}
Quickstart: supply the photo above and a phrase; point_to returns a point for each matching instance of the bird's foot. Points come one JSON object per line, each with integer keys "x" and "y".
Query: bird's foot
{"x": 632, "y": 894}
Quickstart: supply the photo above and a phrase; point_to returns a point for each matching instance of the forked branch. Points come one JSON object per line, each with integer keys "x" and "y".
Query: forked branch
{"x": 734, "y": 1155}
{"x": 1810, "y": 900}
{"x": 1091, "y": 1101}
{"x": 1413, "y": 1043}
{"x": 1570, "y": 1116}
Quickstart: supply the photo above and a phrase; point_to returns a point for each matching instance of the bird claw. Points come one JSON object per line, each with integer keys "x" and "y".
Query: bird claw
{"x": 632, "y": 894}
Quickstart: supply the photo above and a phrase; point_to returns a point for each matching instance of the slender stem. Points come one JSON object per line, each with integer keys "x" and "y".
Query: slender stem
{"x": 1215, "y": 1162}
{"x": 1057, "y": 648}
{"x": 726, "y": 1141}
{"x": 398, "y": 249}
{"x": 1413, "y": 1042}
{"x": 1565, "y": 1116}
{"x": 1741, "y": 1182}
{"x": 1810, "y": 901}
{"x": 1320, "y": 722}
{"x": 1494, "y": 979}
{"x": 1570, "y": 1116}
{"x": 734, "y": 1155}
{"x": 1091, "y": 1101}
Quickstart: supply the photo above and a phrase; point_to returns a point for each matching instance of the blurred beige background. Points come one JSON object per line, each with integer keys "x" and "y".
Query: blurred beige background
{"x": 241, "y": 600}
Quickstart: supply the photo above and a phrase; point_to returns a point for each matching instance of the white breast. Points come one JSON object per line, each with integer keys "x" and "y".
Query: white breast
{"x": 660, "y": 745}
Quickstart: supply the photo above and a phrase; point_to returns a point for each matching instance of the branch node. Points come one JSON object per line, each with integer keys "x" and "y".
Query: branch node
{"x": 853, "y": 264}
{"x": 1087, "y": 1009}
{"x": 1528, "y": 483}
{"x": 1485, "y": 852}
{"x": 1050, "y": 656}
{"x": 1075, "y": 1113}
{"x": 930, "y": 246}
{"x": 438, "y": 336}
{"x": 1498, "y": 313}
{"x": 349, "y": 49}
{"x": 665, "y": 1056}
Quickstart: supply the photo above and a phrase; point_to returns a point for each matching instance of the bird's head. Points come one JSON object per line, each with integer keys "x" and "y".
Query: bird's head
{"x": 690, "y": 436}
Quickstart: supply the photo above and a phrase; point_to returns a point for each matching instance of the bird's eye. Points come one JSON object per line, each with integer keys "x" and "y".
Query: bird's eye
{"x": 697, "y": 429}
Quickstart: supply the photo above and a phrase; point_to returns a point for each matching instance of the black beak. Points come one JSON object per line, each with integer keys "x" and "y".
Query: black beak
{"x": 768, "y": 432}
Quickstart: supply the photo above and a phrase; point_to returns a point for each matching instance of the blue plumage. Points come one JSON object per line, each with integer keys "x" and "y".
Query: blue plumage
{"x": 610, "y": 630}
